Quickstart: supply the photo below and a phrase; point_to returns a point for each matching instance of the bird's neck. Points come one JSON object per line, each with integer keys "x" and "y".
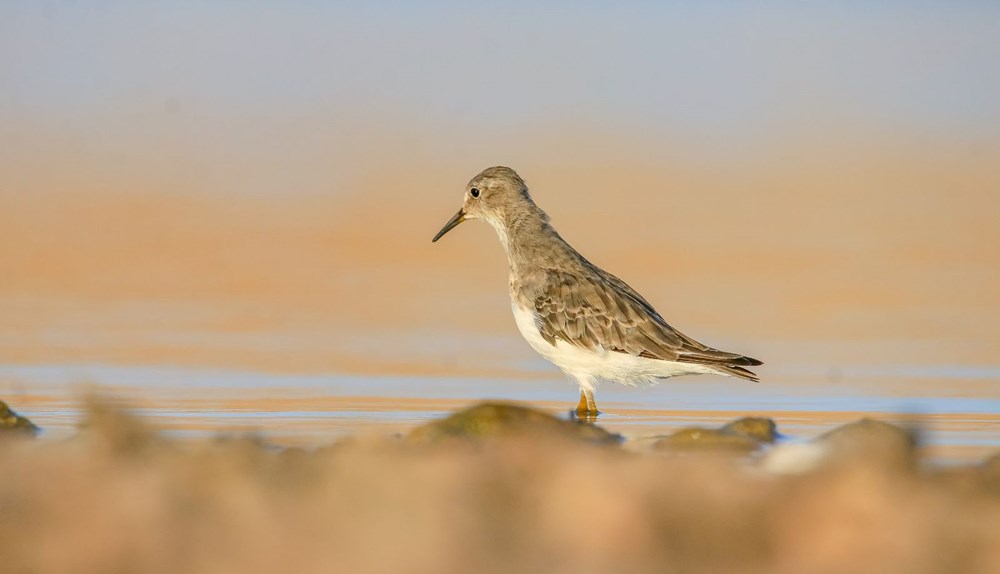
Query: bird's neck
{"x": 528, "y": 239}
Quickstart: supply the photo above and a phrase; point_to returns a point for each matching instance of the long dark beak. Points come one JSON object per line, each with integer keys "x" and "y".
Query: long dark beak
{"x": 452, "y": 223}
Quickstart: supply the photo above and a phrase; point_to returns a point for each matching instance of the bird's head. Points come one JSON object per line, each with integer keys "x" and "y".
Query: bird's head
{"x": 497, "y": 195}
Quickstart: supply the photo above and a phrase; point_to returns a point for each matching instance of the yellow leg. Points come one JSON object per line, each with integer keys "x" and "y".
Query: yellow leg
{"x": 587, "y": 408}
{"x": 592, "y": 404}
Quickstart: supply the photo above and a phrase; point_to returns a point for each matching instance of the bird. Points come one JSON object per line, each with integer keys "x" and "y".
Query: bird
{"x": 587, "y": 322}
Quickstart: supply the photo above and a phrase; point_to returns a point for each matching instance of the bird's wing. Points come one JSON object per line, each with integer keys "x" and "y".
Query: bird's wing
{"x": 594, "y": 312}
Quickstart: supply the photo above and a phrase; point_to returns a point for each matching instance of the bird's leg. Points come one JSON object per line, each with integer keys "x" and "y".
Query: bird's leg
{"x": 586, "y": 409}
{"x": 583, "y": 408}
{"x": 591, "y": 404}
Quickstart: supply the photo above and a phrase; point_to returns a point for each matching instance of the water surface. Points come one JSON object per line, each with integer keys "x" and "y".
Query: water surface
{"x": 958, "y": 418}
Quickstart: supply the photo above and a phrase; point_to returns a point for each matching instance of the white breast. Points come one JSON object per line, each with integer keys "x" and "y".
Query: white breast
{"x": 590, "y": 367}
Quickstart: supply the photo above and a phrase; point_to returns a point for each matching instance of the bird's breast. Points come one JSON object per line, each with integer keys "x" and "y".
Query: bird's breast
{"x": 527, "y": 324}
{"x": 570, "y": 358}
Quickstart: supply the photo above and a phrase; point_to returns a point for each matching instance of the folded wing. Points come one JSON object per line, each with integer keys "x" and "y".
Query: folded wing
{"x": 608, "y": 314}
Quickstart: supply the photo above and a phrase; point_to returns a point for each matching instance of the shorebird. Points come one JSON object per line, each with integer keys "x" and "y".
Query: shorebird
{"x": 581, "y": 318}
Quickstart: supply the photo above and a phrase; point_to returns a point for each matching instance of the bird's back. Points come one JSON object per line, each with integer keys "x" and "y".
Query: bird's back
{"x": 576, "y": 302}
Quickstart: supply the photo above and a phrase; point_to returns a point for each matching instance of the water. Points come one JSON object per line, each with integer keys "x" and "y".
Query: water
{"x": 959, "y": 417}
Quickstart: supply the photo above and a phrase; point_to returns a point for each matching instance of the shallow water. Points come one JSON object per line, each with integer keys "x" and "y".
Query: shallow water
{"x": 956, "y": 411}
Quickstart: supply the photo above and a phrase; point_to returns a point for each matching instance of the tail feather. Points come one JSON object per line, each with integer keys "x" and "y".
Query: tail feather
{"x": 738, "y": 372}
{"x": 726, "y": 363}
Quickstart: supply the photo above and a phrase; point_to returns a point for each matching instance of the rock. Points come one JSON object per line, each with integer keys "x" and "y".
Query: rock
{"x": 873, "y": 441}
{"x": 760, "y": 429}
{"x": 990, "y": 472}
{"x": 992, "y": 465}
{"x": 13, "y": 423}
{"x": 740, "y": 436}
{"x": 492, "y": 420}
{"x": 109, "y": 423}
{"x": 865, "y": 442}
{"x": 702, "y": 439}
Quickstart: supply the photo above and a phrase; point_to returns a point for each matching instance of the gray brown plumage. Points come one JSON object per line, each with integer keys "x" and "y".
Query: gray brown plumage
{"x": 577, "y": 308}
{"x": 588, "y": 322}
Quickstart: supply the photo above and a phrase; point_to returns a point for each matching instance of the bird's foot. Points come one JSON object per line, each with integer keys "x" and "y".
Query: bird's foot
{"x": 585, "y": 416}
{"x": 586, "y": 410}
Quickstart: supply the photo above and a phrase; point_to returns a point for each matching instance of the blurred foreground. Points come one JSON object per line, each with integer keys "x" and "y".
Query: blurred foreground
{"x": 530, "y": 493}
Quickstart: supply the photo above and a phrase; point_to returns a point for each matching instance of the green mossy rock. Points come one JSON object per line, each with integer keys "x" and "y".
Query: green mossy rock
{"x": 741, "y": 436}
{"x": 13, "y": 423}
{"x": 710, "y": 440}
{"x": 489, "y": 421}
{"x": 760, "y": 429}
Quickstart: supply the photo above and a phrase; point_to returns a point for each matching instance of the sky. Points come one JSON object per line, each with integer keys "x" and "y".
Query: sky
{"x": 232, "y": 83}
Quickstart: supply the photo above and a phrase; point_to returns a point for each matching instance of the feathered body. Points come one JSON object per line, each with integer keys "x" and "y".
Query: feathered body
{"x": 586, "y": 321}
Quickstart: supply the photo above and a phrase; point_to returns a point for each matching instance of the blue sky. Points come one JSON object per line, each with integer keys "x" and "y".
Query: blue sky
{"x": 218, "y": 78}
{"x": 714, "y": 65}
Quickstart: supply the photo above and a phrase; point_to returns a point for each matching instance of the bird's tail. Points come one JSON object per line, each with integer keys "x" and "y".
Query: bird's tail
{"x": 738, "y": 372}
{"x": 725, "y": 363}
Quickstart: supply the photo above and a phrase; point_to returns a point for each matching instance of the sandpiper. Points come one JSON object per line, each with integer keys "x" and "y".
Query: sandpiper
{"x": 586, "y": 321}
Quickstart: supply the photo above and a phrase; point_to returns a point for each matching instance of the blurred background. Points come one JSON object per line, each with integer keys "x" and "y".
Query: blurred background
{"x": 206, "y": 195}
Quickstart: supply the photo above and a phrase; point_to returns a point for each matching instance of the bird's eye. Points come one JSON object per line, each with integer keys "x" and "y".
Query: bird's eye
{"x": 474, "y": 192}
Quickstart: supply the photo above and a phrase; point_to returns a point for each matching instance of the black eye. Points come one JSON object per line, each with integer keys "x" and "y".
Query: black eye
{"x": 474, "y": 192}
